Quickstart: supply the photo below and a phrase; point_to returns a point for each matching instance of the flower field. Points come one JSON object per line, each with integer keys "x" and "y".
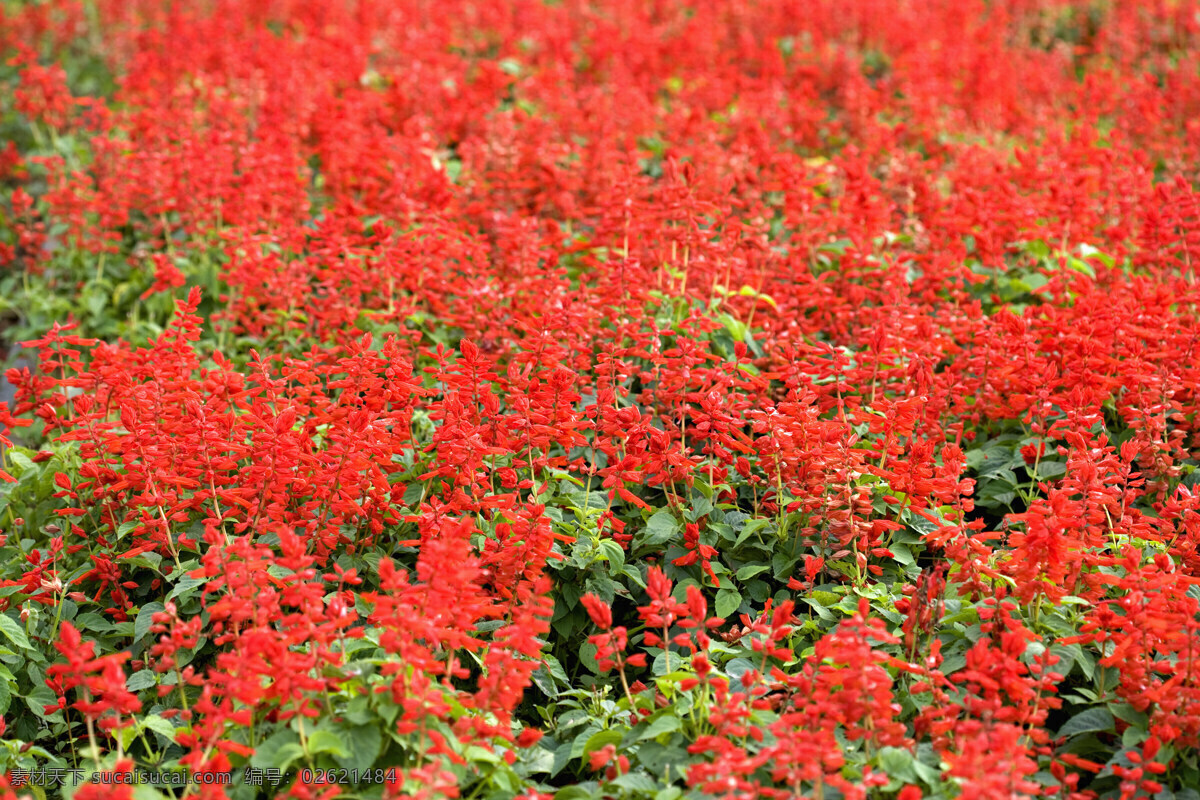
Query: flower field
{"x": 573, "y": 399}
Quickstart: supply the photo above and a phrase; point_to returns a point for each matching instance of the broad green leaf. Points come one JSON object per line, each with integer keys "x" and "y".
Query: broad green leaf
{"x": 666, "y": 723}
{"x": 637, "y": 782}
{"x": 660, "y": 529}
{"x": 728, "y": 602}
{"x": 145, "y": 618}
{"x": 13, "y": 632}
{"x": 750, "y": 570}
{"x": 21, "y": 460}
{"x": 738, "y": 667}
{"x": 587, "y": 655}
{"x": 613, "y": 553}
{"x": 749, "y": 529}
{"x": 821, "y": 610}
{"x": 159, "y": 725}
{"x": 185, "y": 585}
{"x": 1127, "y": 713}
{"x": 581, "y": 740}
{"x": 1092, "y": 720}
{"x": 953, "y": 663}
{"x": 601, "y": 739}
{"x": 477, "y": 754}
{"x": 143, "y": 679}
{"x": 897, "y": 763}
{"x": 365, "y": 742}
{"x": 826, "y": 598}
{"x": 902, "y": 554}
{"x": 267, "y": 753}
{"x": 39, "y": 698}
{"x": 326, "y": 741}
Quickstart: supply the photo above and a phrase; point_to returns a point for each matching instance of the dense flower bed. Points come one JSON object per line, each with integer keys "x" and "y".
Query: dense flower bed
{"x": 600, "y": 399}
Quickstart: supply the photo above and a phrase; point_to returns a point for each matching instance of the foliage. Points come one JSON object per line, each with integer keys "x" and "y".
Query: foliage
{"x": 600, "y": 400}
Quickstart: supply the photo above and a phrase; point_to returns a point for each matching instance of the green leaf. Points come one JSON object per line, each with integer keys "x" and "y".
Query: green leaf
{"x": 150, "y": 561}
{"x": 1081, "y": 266}
{"x": 21, "y": 460}
{"x": 185, "y": 585}
{"x": 902, "y": 554}
{"x": 728, "y": 602}
{"x": 1127, "y": 713}
{"x": 269, "y": 753}
{"x": 660, "y": 529}
{"x": 667, "y": 723}
{"x": 13, "y": 632}
{"x": 145, "y": 618}
{"x": 926, "y": 773}
{"x": 587, "y": 655}
{"x": 613, "y": 553}
{"x": 1092, "y": 720}
{"x": 581, "y": 740}
{"x": 40, "y": 697}
{"x": 127, "y": 735}
{"x": 1087, "y": 663}
{"x": 636, "y": 782}
{"x": 160, "y": 726}
{"x": 737, "y": 329}
{"x": 365, "y": 742}
{"x": 287, "y": 754}
{"x": 701, "y": 506}
{"x": 1066, "y": 658}
{"x": 325, "y": 741}
{"x": 738, "y": 667}
{"x": 1088, "y": 251}
{"x": 600, "y": 739}
{"x": 826, "y": 598}
{"x": 758, "y": 590}
{"x": 91, "y": 621}
{"x": 476, "y": 754}
{"x": 749, "y": 529}
{"x": 1051, "y": 469}
{"x": 671, "y": 679}
{"x": 897, "y": 763}
{"x": 750, "y": 570}
{"x": 555, "y": 668}
{"x": 1132, "y": 737}
{"x": 953, "y": 663}
{"x": 141, "y": 680}
{"x": 821, "y": 610}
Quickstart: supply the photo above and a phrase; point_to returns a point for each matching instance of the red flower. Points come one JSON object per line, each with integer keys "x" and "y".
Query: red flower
{"x": 166, "y": 276}
{"x": 1031, "y": 453}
